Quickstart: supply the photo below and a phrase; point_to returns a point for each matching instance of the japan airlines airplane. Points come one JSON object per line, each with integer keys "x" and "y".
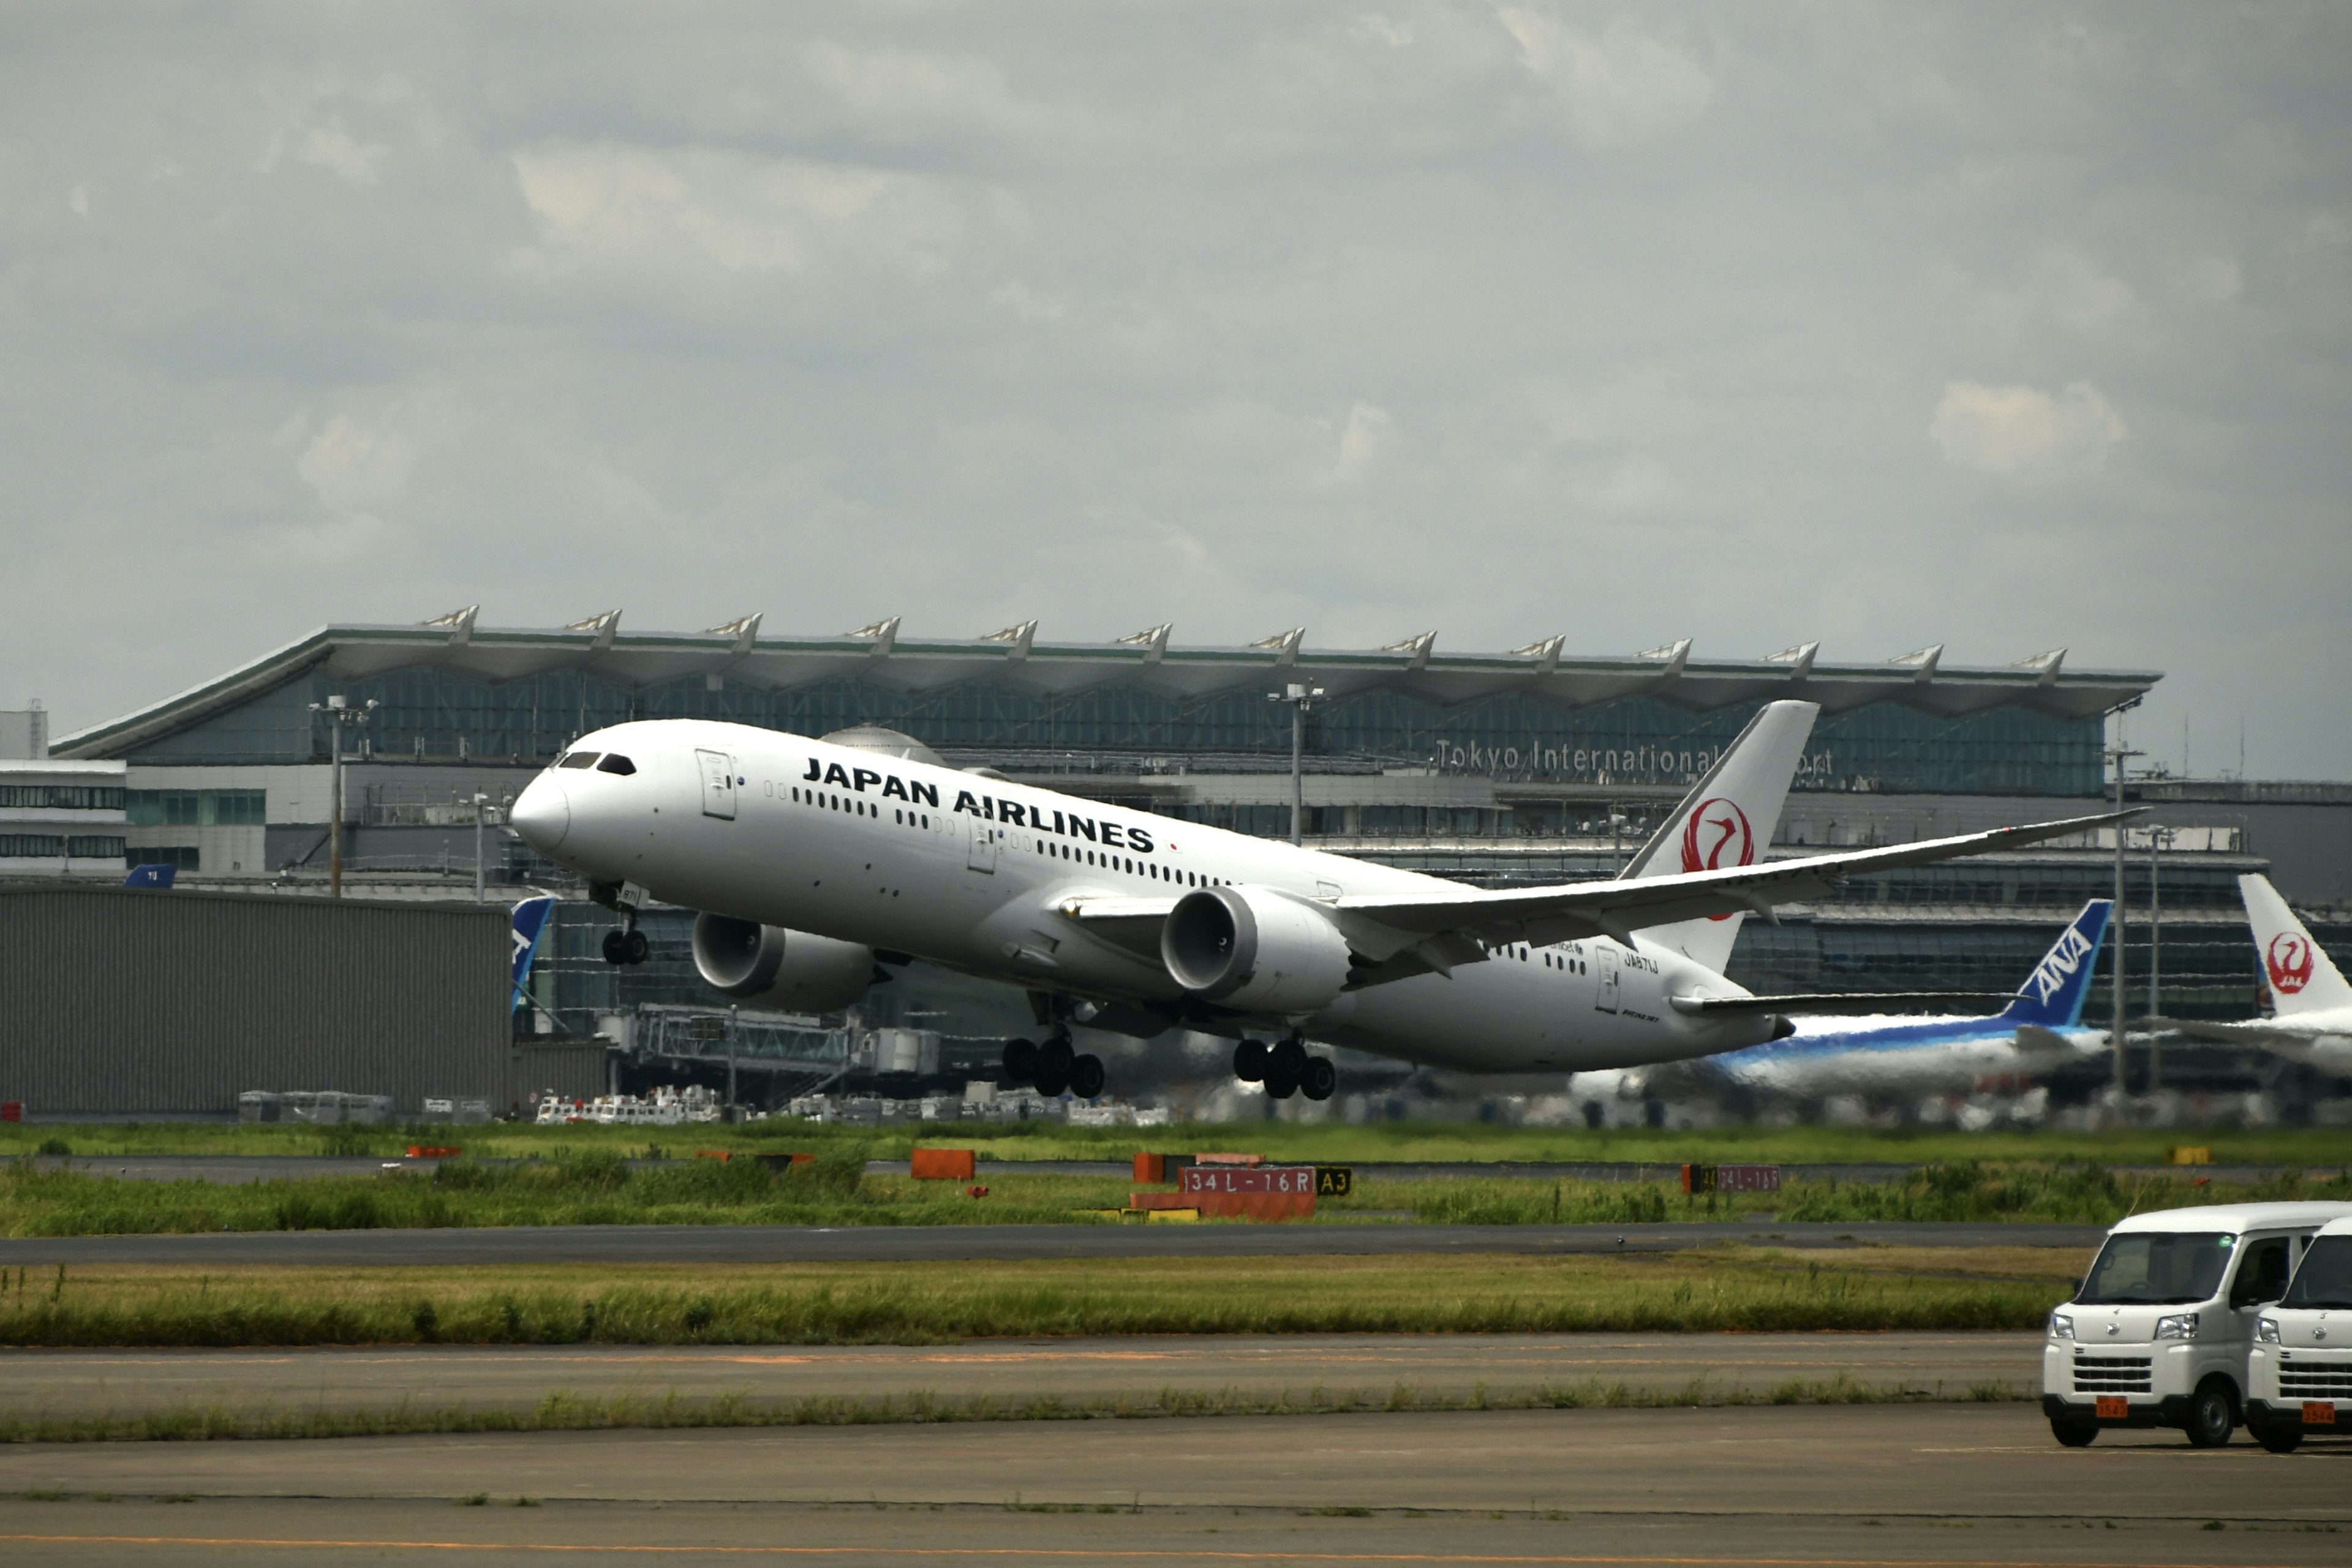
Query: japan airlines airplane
{"x": 2311, "y": 1006}
{"x": 811, "y": 863}
{"x": 2040, "y": 1028}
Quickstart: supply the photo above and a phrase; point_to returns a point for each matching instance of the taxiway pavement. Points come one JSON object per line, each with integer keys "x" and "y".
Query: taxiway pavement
{"x": 1798, "y": 1486}
{"x": 1260, "y": 1369}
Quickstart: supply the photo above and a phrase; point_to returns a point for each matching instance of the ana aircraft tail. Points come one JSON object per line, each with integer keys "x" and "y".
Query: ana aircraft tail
{"x": 2052, "y": 996}
{"x": 529, "y": 924}
{"x": 2300, "y": 975}
{"x": 1727, "y": 820}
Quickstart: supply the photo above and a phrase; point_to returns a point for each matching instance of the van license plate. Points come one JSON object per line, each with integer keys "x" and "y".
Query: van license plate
{"x": 2114, "y": 1407}
{"x": 2319, "y": 1413}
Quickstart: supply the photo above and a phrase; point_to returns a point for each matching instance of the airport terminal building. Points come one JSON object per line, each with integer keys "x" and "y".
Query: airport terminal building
{"x": 1528, "y": 766}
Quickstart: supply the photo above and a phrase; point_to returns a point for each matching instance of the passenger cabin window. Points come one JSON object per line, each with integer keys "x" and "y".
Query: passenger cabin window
{"x": 615, "y": 762}
{"x": 579, "y": 760}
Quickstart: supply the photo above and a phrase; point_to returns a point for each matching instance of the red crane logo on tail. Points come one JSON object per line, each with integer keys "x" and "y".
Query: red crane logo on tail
{"x": 2289, "y": 962}
{"x": 1716, "y": 836}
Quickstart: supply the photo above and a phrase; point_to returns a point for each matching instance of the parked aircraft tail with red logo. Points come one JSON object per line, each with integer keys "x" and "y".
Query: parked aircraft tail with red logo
{"x": 2301, "y": 977}
{"x": 1725, "y": 821}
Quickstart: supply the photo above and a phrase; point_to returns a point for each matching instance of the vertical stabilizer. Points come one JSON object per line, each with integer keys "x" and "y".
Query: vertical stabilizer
{"x": 529, "y": 923}
{"x": 1728, "y": 818}
{"x": 2301, "y": 977}
{"x": 2052, "y": 994}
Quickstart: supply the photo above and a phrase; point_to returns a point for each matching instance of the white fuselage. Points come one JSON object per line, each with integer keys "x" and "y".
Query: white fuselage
{"x": 2318, "y": 1039}
{"x": 972, "y": 873}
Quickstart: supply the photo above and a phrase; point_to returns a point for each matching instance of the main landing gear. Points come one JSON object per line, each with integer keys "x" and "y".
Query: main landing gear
{"x": 628, "y": 946}
{"x": 1286, "y": 1069}
{"x": 1053, "y": 1068}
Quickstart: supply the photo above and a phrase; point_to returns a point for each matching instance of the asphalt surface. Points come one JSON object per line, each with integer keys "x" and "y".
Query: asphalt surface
{"x": 1263, "y": 1369}
{"x": 805, "y": 1244}
{"x": 1834, "y": 1487}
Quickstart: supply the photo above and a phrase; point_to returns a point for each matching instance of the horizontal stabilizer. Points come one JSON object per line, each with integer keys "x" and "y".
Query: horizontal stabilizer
{"x": 1852, "y": 1004}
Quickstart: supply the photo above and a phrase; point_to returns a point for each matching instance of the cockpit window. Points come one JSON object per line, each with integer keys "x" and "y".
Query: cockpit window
{"x": 615, "y": 762}
{"x": 579, "y": 760}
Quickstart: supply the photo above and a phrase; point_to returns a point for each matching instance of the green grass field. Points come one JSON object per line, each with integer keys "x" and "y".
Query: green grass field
{"x": 1703, "y": 1291}
{"x": 600, "y": 1187}
{"x": 1334, "y": 1144}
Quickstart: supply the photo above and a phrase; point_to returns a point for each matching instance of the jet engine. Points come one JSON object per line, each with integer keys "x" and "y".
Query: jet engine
{"x": 1255, "y": 950}
{"x": 780, "y": 968}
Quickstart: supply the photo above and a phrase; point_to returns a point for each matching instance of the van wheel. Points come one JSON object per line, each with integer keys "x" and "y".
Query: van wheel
{"x": 2075, "y": 1434}
{"x": 2279, "y": 1439}
{"x": 2210, "y": 1415}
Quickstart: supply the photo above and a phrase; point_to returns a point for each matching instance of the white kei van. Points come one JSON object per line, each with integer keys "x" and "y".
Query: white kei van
{"x": 2299, "y": 1377}
{"x": 2159, "y": 1331}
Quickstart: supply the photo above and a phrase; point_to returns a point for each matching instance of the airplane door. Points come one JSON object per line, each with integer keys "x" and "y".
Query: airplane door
{"x": 1604, "y": 997}
{"x": 983, "y": 846}
{"x": 718, "y": 783}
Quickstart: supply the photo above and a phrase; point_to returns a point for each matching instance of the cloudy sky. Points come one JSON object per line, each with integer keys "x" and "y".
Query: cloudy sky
{"x": 2005, "y": 327}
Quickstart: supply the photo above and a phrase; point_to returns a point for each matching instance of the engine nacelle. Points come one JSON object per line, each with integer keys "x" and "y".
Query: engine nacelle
{"x": 789, "y": 969}
{"x": 1255, "y": 950}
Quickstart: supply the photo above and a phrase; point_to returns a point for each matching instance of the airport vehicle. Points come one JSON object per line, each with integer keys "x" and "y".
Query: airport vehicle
{"x": 2299, "y": 1375}
{"x": 1827, "y": 1054}
{"x": 2159, "y": 1331}
{"x": 817, "y": 865}
{"x": 2311, "y": 1006}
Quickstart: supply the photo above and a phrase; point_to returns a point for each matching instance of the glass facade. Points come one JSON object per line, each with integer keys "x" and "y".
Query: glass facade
{"x": 62, "y": 797}
{"x": 1883, "y": 746}
{"x": 196, "y": 808}
{"x": 59, "y": 846}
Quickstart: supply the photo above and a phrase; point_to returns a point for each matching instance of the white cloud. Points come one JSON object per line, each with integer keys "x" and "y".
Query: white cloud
{"x": 1645, "y": 405}
{"x": 1638, "y": 483}
{"x": 354, "y": 467}
{"x": 667, "y": 215}
{"x": 1366, "y": 438}
{"x": 2063, "y": 289}
{"x": 902, "y": 94}
{"x": 1616, "y": 88}
{"x": 1371, "y": 28}
{"x": 2026, "y": 433}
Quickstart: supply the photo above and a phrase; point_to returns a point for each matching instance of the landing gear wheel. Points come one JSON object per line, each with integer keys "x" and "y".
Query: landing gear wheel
{"x": 2211, "y": 1419}
{"x": 634, "y": 947}
{"x": 1086, "y": 1076}
{"x": 2075, "y": 1434}
{"x": 1019, "y": 1061}
{"x": 1320, "y": 1078}
{"x": 1285, "y": 1060}
{"x": 1249, "y": 1061}
{"x": 1279, "y": 1086}
{"x": 616, "y": 947}
{"x": 1055, "y": 1060}
{"x": 2279, "y": 1439}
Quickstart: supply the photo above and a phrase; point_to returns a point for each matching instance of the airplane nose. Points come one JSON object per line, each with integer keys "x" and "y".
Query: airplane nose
{"x": 542, "y": 813}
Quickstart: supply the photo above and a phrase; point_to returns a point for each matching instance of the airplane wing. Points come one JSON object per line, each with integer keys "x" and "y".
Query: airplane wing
{"x": 1131, "y": 923}
{"x": 1851, "y": 1003}
{"x": 1546, "y": 915}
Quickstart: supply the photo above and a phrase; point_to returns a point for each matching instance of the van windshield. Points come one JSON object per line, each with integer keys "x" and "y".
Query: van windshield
{"x": 2325, "y": 1278}
{"x": 2157, "y": 1268}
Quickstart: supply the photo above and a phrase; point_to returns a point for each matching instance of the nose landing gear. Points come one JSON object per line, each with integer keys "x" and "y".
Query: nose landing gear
{"x": 628, "y": 946}
{"x": 1286, "y": 1069}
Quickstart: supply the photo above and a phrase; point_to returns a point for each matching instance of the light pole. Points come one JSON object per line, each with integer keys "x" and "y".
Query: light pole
{"x": 341, "y": 713}
{"x": 2117, "y": 754}
{"x": 2156, "y": 837}
{"x": 481, "y": 804}
{"x": 1300, "y": 698}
